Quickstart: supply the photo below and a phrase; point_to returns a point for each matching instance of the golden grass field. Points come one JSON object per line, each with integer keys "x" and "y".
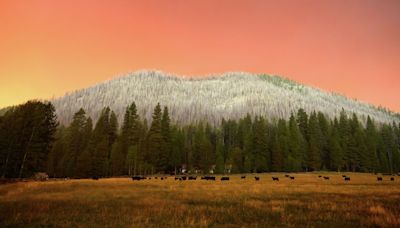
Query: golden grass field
{"x": 307, "y": 201}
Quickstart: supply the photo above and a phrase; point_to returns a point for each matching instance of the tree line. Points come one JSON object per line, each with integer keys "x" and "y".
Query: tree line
{"x": 31, "y": 141}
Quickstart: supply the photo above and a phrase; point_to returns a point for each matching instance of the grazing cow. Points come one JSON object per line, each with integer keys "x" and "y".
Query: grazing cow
{"x": 224, "y": 178}
{"x": 257, "y": 178}
{"x": 292, "y": 178}
{"x": 137, "y": 178}
{"x": 203, "y": 178}
{"x": 319, "y": 176}
{"x": 286, "y": 175}
{"x": 326, "y": 178}
{"x": 392, "y": 178}
{"x": 346, "y": 178}
{"x": 211, "y": 178}
{"x": 183, "y": 178}
{"x": 155, "y": 177}
{"x": 275, "y": 178}
{"x": 162, "y": 178}
{"x": 379, "y": 178}
{"x": 177, "y": 178}
{"x": 192, "y": 178}
{"x": 343, "y": 175}
{"x": 243, "y": 177}
{"x": 149, "y": 178}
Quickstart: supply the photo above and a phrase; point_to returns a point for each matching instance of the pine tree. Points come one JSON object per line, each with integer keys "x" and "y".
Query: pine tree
{"x": 296, "y": 147}
{"x": 261, "y": 155}
{"x": 335, "y": 151}
{"x": 248, "y": 145}
{"x": 279, "y": 147}
{"x": 314, "y": 142}
{"x": 155, "y": 141}
{"x": 302, "y": 121}
{"x": 345, "y": 134}
{"x": 83, "y": 162}
{"x": 371, "y": 143}
{"x": 75, "y": 142}
{"x": 165, "y": 152}
{"x": 325, "y": 129}
{"x": 356, "y": 145}
{"x": 100, "y": 145}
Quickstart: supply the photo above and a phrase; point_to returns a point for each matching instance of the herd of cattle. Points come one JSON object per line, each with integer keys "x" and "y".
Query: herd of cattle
{"x": 227, "y": 178}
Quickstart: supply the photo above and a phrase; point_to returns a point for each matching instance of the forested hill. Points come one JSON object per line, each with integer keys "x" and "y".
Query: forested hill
{"x": 229, "y": 96}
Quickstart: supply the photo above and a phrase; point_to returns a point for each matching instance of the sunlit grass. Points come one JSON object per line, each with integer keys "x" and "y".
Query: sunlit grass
{"x": 305, "y": 201}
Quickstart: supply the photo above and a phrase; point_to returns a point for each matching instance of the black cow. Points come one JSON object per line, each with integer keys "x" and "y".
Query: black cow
{"x": 224, "y": 178}
{"x": 319, "y": 176}
{"x": 211, "y": 178}
{"x": 343, "y": 175}
{"x": 392, "y": 178}
{"x": 292, "y": 178}
{"x": 379, "y": 178}
{"x": 287, "y": 175}
{"x": 243, "y": 177}
{"x": 162, "y": 178}
{"x": 346, "y": 178}
{"x": 137, "y": 178}
{"x": 257, "y": 178}
{"x": 326, "y": 178}
{"x": 177, "y": 178}
{"x": 203, "y": 178}
{"x": 155, "y": 177}
{"x": 183, "y": 178}
{"x": 192, "y": 178}
{"x": 275, "y": 178}
{"x": 95, "y": 178}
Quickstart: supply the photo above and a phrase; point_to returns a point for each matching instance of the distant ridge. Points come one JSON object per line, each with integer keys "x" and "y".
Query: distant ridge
{"x": 211, "y": 98}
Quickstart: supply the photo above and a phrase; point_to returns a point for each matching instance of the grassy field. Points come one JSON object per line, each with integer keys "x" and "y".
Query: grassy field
{"x": 307, "y": 201}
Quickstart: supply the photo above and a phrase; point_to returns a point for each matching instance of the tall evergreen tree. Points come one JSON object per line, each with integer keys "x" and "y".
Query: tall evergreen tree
{"x": 345, "y": 134}
{"x": 297, "y": 147}
{"x": 156, "y": 141}
{"x": 314, "y": 142}
{"x": 334, "y": 148}
{"x": 371, "y": 143}
{"x": 261, "y": 156}
{"x": 165, "y": 152}
{"x": 100, "y": 144}
{"x": 325, "y": 129}
{"x": 76, "y": 141}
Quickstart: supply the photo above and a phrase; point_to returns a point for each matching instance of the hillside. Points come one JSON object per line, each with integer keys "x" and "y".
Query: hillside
{"x": 230, "y": 95}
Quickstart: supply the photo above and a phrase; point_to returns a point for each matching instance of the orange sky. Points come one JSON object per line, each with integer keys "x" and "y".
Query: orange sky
{"x": 50, "y": 47}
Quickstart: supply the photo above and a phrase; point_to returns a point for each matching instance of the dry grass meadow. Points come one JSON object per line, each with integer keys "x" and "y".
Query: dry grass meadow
{"x": 307, "y": 201}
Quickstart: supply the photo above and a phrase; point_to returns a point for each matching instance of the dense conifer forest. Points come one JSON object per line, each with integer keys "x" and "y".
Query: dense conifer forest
{"x": 31, "y": 140}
